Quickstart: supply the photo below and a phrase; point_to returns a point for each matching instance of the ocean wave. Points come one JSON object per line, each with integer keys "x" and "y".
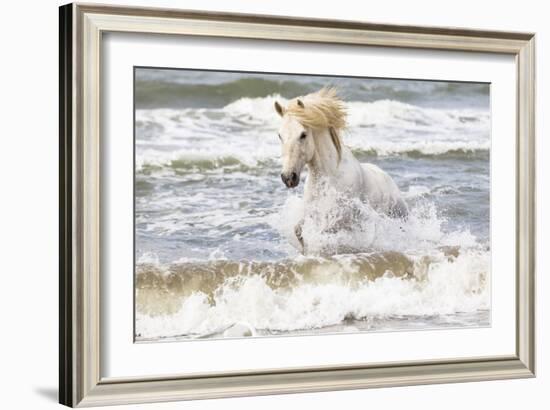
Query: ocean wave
{"x": 243, "y": 134}
{"x": 188, "y": 88}
{"x": 189, "y": 162}
{"x": 162, "y": 94}
{"x": 383, "y": 112}
{"x": 341, "y": 223}
{"x": 382, "y": 267}
{"x": 204, "y": 299}
{"x": 192, "y": 162}
{"x": 360, "y": 114}
{"x": 457, "y": 150}
{"x": 217, "y": 254}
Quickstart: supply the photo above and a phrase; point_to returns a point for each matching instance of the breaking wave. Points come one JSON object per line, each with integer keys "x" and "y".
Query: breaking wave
{"x": 217, "y": 254}
{"x": 193, "y": 300}
{"x": 192, "y": 139}
{"x": 184, "y": 89}
{"x": 406, "y": 268}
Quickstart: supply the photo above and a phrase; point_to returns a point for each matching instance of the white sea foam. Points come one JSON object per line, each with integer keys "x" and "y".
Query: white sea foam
{"x": 148, "y": 257}
{"x": 228, "y": 194}
{"x": 382, "y": 127}
{"x": 450, "y": 286}
{"x": 416, "y": 191}
{"x": 443, "y": 285}
{"x": 366, "y": 230}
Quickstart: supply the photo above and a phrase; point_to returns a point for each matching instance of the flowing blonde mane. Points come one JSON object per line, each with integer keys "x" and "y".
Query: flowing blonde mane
{"x": 322, "y": 109}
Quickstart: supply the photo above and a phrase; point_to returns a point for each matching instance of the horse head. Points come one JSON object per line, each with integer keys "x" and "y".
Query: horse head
{"x": 301, "y": 119}
{"x": 297, "y": 145}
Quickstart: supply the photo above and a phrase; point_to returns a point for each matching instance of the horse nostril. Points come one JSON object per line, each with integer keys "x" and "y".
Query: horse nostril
{"x": 290, "y": 180}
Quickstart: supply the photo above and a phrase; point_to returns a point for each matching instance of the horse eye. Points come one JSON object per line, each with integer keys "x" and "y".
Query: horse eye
{"x": 303, "y": 135}
{"x": 279, "y": 135}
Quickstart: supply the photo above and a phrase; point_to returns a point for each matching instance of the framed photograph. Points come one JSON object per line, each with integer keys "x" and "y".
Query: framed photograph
{"x": 258, "y": 205}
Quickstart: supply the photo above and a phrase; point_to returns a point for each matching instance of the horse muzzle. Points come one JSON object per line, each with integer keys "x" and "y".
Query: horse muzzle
{"x": 290, "y": 179}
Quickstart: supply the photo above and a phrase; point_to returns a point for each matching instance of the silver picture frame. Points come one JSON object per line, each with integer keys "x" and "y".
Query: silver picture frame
{"x": 81, "y": 30}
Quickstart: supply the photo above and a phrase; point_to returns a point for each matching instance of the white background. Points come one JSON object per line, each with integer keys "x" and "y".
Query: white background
{"x": 28, "y": 227}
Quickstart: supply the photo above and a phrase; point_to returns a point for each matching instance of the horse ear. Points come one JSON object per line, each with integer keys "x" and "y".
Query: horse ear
{"x": 300, "y": 103}
{"x": 279, "y": 108}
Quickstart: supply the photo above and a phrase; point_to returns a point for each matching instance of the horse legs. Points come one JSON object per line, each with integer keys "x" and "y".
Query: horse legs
{"x": 399, "y": 209}
{"x": 298, "y": 233}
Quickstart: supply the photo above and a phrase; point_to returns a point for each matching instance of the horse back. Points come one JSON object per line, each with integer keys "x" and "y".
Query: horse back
{"x": 382, "y": 192}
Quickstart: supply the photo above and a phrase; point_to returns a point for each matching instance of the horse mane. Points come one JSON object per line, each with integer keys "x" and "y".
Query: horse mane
{"x": 322, "y": 109}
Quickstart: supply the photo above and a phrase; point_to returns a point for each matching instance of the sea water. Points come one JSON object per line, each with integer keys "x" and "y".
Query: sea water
{"x": 216, "y": 254}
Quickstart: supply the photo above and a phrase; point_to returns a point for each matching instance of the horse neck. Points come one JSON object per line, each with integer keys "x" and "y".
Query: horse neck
{"x": 325, "y": 160}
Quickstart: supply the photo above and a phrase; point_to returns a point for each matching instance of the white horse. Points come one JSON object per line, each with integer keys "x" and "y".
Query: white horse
{"x": 310, "y": 134}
